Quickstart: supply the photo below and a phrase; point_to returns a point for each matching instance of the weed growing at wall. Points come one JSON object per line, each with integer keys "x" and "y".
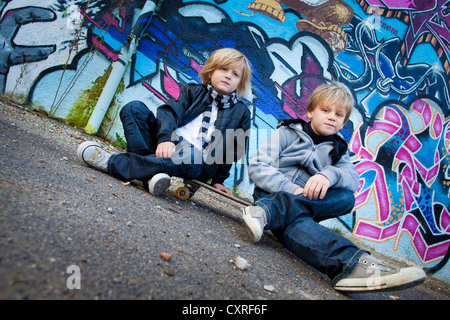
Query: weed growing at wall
{"x": 82, "y": 108}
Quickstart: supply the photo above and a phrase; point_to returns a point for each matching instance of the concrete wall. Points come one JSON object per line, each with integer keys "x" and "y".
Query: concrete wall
{"x": 392, "y": 55}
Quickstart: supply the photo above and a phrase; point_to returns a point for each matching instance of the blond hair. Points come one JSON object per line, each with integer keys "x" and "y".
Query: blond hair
{"x": 232, "y": 58}
{"x": 332, "y": 93}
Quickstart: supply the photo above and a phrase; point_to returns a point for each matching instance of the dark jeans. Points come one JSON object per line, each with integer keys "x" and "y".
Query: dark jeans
{"x": 294, "y": 220}
{"x": 140, "y": 163}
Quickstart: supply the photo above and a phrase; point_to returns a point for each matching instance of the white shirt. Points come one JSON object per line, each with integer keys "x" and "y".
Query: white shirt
{"x": 191, "y": 130}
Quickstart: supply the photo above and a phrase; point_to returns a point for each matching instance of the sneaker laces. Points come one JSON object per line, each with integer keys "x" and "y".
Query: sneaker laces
{"x": 99, "y": 158}
{"x": 371, "y": 263}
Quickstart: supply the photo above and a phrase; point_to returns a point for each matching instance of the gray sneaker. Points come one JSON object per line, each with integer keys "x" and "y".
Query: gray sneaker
{"x": 255, "y": 220}
{"x": 91, "y": 153}
{"x": 371, "y": 274}
{"x": 159, "y": 184}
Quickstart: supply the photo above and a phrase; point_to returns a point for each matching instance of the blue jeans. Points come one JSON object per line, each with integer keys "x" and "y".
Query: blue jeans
{"x": 140, "y": 163}
{"x": 294, "y": 220}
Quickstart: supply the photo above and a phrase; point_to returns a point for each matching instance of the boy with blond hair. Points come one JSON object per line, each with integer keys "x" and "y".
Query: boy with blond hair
{"x": 303, "y": 175}
{"x": 185, "y": 132}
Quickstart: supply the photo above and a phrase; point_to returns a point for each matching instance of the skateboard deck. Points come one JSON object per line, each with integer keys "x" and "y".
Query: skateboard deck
{"x": 191, "y": 186}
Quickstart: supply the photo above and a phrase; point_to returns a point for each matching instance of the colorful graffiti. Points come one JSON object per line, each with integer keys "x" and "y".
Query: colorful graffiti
{"x": 392, "y": 55}
{"x": 410, "y": 187}
{"x": 13, "y": 54}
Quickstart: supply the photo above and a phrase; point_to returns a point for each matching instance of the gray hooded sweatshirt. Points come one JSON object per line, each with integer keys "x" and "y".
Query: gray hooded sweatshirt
{"x": 289, "y": 157}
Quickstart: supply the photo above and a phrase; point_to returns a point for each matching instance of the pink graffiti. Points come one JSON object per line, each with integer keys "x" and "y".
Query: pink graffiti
{"x": 427, "y": 253}
{"x": 408, "y": 173}
{"x": 171, "y": 86}
{"x": 357, "y": 147}
{"x": 393, "y": 216}
{"x": 420, "y": 5}
{"x": 117, "y": 22}
{"x": 110, "y": 20}
{"x": 155, "y": 92}
{"x": 110, "y": 54}
{"x": 376, "y": 186}
{"x": 393, "y": 224}
{"x": 293, "y": 103}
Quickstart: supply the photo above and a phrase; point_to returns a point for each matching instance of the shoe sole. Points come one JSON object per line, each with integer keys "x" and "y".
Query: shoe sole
{"x": 405, "y": 278}
{"x": 251, "y": 225}
{"x": 159, "y": 184}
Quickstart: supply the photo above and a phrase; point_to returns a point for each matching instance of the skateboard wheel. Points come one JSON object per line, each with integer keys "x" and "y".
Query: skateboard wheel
{"x": 182, "y": 193}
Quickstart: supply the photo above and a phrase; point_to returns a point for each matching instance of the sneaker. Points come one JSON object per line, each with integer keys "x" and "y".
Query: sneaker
{"x": 159, "y": 184}
{"x": 255, "y": 219}
{"x": 91, "y": 153}
{"x": 371, "y": 274}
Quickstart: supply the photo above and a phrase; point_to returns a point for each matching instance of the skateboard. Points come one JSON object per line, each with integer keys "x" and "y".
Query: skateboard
{"x": 191, "y": 186}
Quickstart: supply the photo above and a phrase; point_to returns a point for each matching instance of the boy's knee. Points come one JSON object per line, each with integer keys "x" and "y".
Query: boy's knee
{"x": 284, "y": 195}
{"x": 347, "y": 195}
{"x": 344, "y": 197}
{"x": 132, "y": 108}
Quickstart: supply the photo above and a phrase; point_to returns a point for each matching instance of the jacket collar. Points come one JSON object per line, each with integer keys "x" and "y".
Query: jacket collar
{"x": 340, "y": 145}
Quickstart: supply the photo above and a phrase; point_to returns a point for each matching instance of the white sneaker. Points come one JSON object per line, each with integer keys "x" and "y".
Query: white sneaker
{"x": 255, "y": 219}
{"x": 370, "y": 274}
{"x": 93, "y": 154}
{"x": 159, "y": 184}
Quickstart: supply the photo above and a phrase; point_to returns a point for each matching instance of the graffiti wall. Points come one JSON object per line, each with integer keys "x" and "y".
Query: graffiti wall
{"x": 58, "y": 55}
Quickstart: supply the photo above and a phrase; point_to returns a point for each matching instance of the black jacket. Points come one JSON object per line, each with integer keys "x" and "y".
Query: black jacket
{"x": 192, "y": 101}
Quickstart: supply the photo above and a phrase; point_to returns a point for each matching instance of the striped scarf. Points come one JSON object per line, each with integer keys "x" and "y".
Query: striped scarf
{"x": 223, "y": 102}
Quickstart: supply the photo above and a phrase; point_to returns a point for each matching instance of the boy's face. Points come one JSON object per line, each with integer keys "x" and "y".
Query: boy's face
{"x": 326, "y": 119}
{"x": 226, "y": 79}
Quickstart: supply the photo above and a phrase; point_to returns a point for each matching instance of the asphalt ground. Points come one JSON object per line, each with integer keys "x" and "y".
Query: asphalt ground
{"x": 69, "y": 232}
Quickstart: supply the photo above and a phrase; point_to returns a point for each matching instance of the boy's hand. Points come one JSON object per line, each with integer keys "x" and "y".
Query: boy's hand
{"x": 316, "y": 185}
{"x": 165, "y": 149}
{"x": 221, "y": 187}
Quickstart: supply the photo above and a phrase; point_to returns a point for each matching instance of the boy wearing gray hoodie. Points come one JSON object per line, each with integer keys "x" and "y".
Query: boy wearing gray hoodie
{"x": 303, "y": 175}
